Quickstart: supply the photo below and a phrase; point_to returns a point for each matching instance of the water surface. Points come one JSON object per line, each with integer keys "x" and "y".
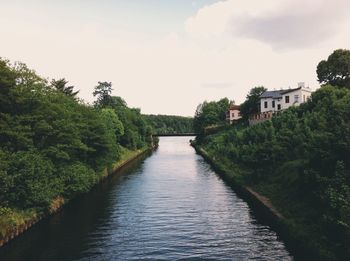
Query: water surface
{"x": 170, "y": 206}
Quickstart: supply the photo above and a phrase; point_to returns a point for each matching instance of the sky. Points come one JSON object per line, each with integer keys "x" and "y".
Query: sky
{"x": 167, "y": 56}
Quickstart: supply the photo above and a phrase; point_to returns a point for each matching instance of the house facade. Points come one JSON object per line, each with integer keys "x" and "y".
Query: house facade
{"x": 234, "y": 113}
{"x": 275, "y": 101}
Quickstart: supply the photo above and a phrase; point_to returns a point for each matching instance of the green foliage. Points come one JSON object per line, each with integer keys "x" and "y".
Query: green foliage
{"x": 77, "y": 178}
{"x": 53, "y": 145}
{"x": 165, "y": 124}
{"x": 112, "y": 122}
{"x": 301, "y": 160}
{"x": 7, "y": 80}
{"x": 336, "y": 69}
{"x": 60, "y": 85}
{"x": 26, "y": 77}
{"x": 6, "y": 182}
{"x": 132, "y": 131}
{"x": 103, "y": 92}
{"x": 210, "y": 113}
{"x": 33, "y": 181}
{"x": 252, "y": 102}
{"x": 137, "y": 132}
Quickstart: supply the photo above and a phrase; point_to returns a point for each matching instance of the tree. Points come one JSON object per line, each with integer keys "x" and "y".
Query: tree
{"x": 166, "y": 124}
{"x": 112, "y": 122}
{"x": 336, "y": 69}
{"x": 26, "y": 77}
{"x": 60, "y": 85}
{"x": 210, "y": 113}
{"x": 7, "y": 80}
{"x": 103, "y": 92}
{"x": 118, "y": 102}
{"x": 251, "y": 104}
{"x": 52, "y": 145}
{"x": 34, "y": 183}
{"x": 300, "y": 159}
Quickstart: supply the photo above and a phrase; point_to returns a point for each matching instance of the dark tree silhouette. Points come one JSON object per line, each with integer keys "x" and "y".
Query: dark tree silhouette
{"x": 103, "y": 92}
{"x": 336, "y": 69}
{"x": 61, "y": 86}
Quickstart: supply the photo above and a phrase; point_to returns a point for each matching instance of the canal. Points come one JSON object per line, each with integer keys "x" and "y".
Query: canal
{"x": 169, "y": 206}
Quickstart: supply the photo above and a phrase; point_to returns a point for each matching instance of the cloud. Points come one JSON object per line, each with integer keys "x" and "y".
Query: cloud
{"x": 218, "y": 85}
{"x": 283, "y": 24}
{"x": 224, "y": 52}
{"x": 298, "y": 25}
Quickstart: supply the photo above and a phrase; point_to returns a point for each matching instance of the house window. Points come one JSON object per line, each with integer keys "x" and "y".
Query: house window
{"x": 278, "y": 106}
{"x": 265, "y": 104}
{"x": 287, "y": 99}
{"x": 273, "y": 104}
{"x": 296, "y": 98}
{"x": 233, "y": 114}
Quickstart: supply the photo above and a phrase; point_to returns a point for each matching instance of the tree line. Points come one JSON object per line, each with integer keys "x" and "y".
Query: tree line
{"x": 168, "y": 124}
{"x": 300, "y": 160}
{"x": 52, "y": 144}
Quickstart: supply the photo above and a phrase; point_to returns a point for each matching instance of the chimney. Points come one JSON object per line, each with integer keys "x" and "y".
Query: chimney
{"x": 301, "y": 84}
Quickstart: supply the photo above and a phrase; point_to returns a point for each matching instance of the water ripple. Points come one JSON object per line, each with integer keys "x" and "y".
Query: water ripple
{"x": 176, "y": 208}
{"x": 170, "y": 207}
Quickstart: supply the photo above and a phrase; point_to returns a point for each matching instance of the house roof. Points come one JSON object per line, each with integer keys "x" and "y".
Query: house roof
{"x": 234, "y": 107}
{"x": 277, "y": 94}
{"x": 272, "y": 94}
{"x": 291, "y": 90}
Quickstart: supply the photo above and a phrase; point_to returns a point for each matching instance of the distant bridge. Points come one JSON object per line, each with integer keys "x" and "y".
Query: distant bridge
{"x": 175, "y": 134}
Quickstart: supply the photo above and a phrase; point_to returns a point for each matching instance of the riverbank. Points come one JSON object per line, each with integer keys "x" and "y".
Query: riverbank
{"x": 262, "y": 206}
{"x": 14, "y": 222}
{"x": 169, "y": 206}
{"x": 299, "y": 161}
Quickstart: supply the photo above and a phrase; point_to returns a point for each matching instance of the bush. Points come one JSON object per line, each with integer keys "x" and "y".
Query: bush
{"x": 77, "y": 179}
{"x": 301, "y": 160}
{"x": 33, "y": 181}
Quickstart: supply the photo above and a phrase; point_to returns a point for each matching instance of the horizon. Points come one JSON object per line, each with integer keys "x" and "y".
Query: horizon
{"x": 163, "y": 54}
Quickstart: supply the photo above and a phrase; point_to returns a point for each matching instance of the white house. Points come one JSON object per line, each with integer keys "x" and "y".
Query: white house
{"x": 233, "y": 113}
{"x": 273, "y": 101}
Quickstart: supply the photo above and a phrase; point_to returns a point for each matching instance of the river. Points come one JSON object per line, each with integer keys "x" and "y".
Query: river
{"x": 169, "y": 206}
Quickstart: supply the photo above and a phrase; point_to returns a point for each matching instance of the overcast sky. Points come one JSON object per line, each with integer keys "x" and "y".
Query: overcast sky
{"x": 167, "y": 56}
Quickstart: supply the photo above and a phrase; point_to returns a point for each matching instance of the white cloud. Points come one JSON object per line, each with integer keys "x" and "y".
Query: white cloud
{"x": 218, "y": 85}
{"x": 283, "y": 24}
{"x": 172, "y": 73}
{"x": 213, "y": 20}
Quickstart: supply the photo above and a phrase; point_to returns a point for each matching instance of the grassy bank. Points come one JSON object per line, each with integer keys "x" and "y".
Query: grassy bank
{"x": 54, "y": 146}
{"x": 15, "y": 221}
{"x": 300, "y": 162}
{"x": 263, "y": 204}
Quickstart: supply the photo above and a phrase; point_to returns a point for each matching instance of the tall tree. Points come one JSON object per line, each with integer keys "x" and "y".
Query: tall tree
{"x": 61, "y": 86}
{"x": 336, "y": 69}
{"x": 210, "y": 113}
{"x": 103, "y": 92}
{"x": 7, "y": 80}
{"x": 251, "y": 104}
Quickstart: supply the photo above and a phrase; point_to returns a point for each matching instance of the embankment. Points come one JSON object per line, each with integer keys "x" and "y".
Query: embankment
{"x": 10, "y": 228}
{"x": 262, "y": 208}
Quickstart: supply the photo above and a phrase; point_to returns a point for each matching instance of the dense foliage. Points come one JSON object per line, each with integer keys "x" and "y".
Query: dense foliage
{"x": 61, "y": 85}
{"x": 53, "y": 145}
{"x": 165, "y": 124}
{"x": 301, "y": 161}
{"x": 252, "y": 103}
{"x": 336, "y": 69}
{"x": 210, "y": 114}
